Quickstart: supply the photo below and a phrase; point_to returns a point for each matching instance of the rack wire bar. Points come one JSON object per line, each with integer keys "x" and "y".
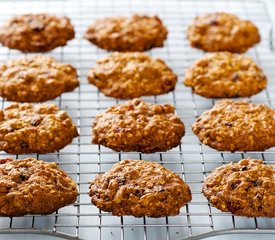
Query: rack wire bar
{"x": 191, "y": 160}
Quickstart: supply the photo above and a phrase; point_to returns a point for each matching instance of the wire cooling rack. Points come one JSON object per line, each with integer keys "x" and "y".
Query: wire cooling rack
{"x": 191, "y": 160}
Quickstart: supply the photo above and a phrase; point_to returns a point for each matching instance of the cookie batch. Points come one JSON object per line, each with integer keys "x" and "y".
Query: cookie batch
{"x": 31, "y": 186}
{"x": 221, "y": 31}
{"x": 132, "y": 75}
{"x": 139, "y": 188}
{"x": 36, "y": 79}
{"x": 41, "y": 128}
{"x": 237, "y": 126}
{"x": 134, "y": 187}
{"x": 36, "y": 32}
{"x": 225, "y": 75}
{"x": 127, "y": 34}
{"x": 245, "y": 188}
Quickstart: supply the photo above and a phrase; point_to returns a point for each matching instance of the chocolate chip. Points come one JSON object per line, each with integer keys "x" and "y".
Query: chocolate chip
{"x": 258, "y": 196}
{"x": 36, "y": 25}
{"x": 36, "y": 121}
{"x": 234, "y": 186}
{"x": 161, "y": 189}
{"x": 228, "y": 124}
{"x": 168, "y": 83}
{"x": 244, "y": 168}
{"x": 214, "y": 22}
{"x": 37, "y": 28}
{"x": 23, "y": 177}
{"x": 24, "y": 144}
{"x": 137, "y": 102}
{"x": 95, "y": 76}
{"x": 235, "y": 77}
{"x": 121, "y": 180}
{"x": 138, "y": 192}
{"x": 255, "y": 183}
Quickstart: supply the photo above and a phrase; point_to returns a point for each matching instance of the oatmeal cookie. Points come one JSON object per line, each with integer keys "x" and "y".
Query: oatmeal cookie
{"x": 36, "y": 79}
{"x": 138, "y": 126}
{"x": 36, "y": 32}
{"x": 139, "y": 188}
{"x": 245, "y": 188}
{"x": 237, "y": 126}
{"x": 134, "y": 33}
{"x": 30, "y": 186}
{"x": 131, "y": 75}
{"x": 41, "y": 128}
{"x": 225, "y": 75}
{"x": 222, "y": 32}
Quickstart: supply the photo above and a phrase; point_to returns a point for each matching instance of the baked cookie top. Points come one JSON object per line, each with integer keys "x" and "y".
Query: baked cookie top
{"x": 30, "y": 186}
{"x": 138, "y": 126}
{"x": 36, "y": 79}
{"x": 245, "y": 188}
{"x": 237, "y": 126}
{"x": 41, "y": 128}
{"x": 131, "y": 75}
{"x": 134, "y": 33}
{"x": 225, "y": 75}
{"x": 36, "y": 32}
{"x": 139, "y": 188}
{"x": 222, "y": 32}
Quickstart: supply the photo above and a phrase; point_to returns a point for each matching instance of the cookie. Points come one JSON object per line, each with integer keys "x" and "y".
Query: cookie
{"x": 138, "y": 126}
{"x": 237, "y": 126}
{"x": 131, "y": 75}
{"x": 36, "y": 79}
{"x": 221, "y": 31}
{"x": 134, "y": 33}
{"x": 36, "y": 32}
{"x": 139, "y": 188}
{"x": 245, "y": 188}
{"x": 30, "y": 186}
{"x": 225, "y": 75}
{"x": 41, "y": 128}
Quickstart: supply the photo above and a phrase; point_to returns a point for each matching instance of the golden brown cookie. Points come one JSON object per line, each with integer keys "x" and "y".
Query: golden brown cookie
{"x": 138, "y": 126}
{"x": 36, "y": 79}
{"x": 245, "y": 188}
{"x": 139, "y": 188}
{"x": 41, "y": 128}
{"x": 222, "y": 32}
{"x": 225, "y": 75}
{"x": 134, "y": 33}
{"x": 237, "y": 126}
{"x": 131, "y": 75}
{"x": 30, "y": 186}
{"x": 36, "y": 32}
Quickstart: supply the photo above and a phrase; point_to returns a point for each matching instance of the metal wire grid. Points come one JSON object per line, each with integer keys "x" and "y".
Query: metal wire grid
{"x": 191, "y": 160}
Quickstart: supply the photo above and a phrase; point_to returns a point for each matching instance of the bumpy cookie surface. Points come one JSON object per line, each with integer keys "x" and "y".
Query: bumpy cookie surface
{"x": 36, "y": 79}
{"x": 131, "y": 75}
{"x": 138, "y": 126}
{"x": 222, "y": 32}
{"x": 139, "y": 188}
{"x": 36, "y": 32}
{"x": 41, "y": 128}
{"x": 30, "y": 186}
{"x": 224, "y": 75}
{"x": 134, "y": 33}
{"x": 237, "y": 126}
{"x": 246, "y": 188}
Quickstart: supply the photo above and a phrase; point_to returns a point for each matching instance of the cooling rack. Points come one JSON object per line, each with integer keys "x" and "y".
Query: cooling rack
{"x": 191, "y": 160}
